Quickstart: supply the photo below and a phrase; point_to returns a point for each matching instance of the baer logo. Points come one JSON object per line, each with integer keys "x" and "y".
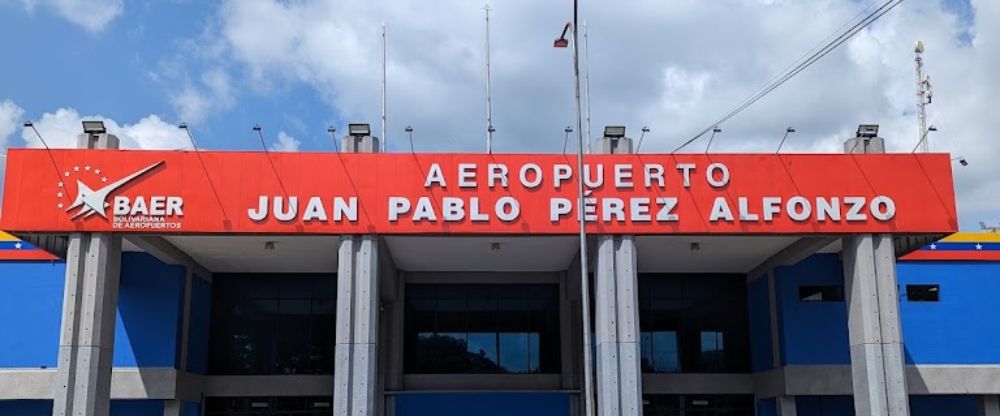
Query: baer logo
{"x": 133, "y": 213}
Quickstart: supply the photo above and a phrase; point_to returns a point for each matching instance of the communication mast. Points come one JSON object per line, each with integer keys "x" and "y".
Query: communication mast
{"x": 489, "y": 96}
{"x": 924, "y": 97}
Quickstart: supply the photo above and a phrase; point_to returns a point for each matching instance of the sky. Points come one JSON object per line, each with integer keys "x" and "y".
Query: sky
{"x": 298, "y": 66}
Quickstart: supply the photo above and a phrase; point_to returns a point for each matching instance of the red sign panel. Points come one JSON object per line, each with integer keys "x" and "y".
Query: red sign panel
{"x": 163, "y": 192}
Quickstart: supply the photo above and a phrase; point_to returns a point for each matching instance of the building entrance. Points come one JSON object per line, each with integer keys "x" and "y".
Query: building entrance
{"x": 269, "y": 406}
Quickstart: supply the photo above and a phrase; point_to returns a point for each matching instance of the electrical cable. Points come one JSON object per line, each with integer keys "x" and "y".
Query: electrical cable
{"x": 825, "y": 50}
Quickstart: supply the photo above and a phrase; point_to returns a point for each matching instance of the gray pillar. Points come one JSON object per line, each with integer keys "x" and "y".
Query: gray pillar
{"x": 87, "y": 333}
{"x": 990, "y": 405}
{"x": 355, "y": 369}
{"x": 173, "y": 407}
{"x": 616, "y": 296}
{"x": 786, "y": 406}
{"x": 878, "y": 368}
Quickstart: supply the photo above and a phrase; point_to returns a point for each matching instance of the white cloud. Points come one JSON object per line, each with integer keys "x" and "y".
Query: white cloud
{"x": 91, "y": 15}
{"x": 212, "y": 93}
{"x": 286, "y": 143}
{"x": 673, "y": 66}
{"x": 10, "y": 116}
{"x": 61, "y": 128}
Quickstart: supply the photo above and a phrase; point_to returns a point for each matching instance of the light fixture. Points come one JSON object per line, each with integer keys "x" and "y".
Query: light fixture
{"x": 568, "y": 129}
{"x": 182, "y": 126}
{"x": 645, "y": 129}
{"x": 695, "y": 246}
{"x": 790, "y": 130}
{"x": 932, "y": 128}
{"x": 256, "y": 127}
{"x": 94, "y": 127}
{"x": 495, "y": 246}
{"x": 614, "y": 131}
{"x": 961, "y": 160}
{"x": 359, "y": 130}
{"x": 491, "y": 129}
{"x": 867, "y": 130}
{"x": 562, "y": 42}
{"x": 269, "y": 245}
{"x": 28, "y": 124}
{"x": 331, "y": 130}
{"x": 408, "y": 129}
{"x": 716, "y": 130}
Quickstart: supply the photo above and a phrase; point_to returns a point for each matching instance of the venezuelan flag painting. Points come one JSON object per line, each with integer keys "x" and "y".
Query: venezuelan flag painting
{"x": 976, "y": 246}
{"x": 13, "y": 248}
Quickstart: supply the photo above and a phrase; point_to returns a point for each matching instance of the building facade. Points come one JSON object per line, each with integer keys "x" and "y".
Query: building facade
{"x": 471, "y": 303}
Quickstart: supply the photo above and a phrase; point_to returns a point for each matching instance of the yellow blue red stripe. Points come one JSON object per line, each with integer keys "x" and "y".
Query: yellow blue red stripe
{"x": 14, "y": 249}
{"x": 964, "y": 246}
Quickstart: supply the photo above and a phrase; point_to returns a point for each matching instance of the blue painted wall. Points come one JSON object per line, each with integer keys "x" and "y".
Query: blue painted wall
{"x": 26, "y": 407}
{"x": 767, "y": 407}
{"x": 812, "y": 332}
{"x": 136, "y": 408}
{"x": 30, "y": 312}
{"x": 118, "y": 408}
{"x": 483, "y": 404}
{"x": 961, "y": 328}
{"x": 201, "y": 307}
{"x": 759, "y": 311}
{"x": 150, "y": 302}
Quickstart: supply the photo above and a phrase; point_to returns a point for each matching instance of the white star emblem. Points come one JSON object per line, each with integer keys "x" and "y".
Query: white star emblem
{"x": 60, "y": 205}
{"x": 60, "y": 194}
{"x": 17, "y": 245}
{"x": 76, "y": 168}
{"x": 104, "y": 179}
{"x": 66, "y": 174}
{"x": 61, "y": 184}
{"x": 979, "y": 246}
{"x": 933, "y": 246}
{"x": 97, "y": 171}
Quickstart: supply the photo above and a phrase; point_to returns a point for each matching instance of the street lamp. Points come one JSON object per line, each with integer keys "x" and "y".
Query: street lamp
{"x": 923, "y": 138}
{"x": 788, "y": 131}
{"x": 588, "y": 387}
{"x": 715, "y": 130}
{"x": 961, "y": 160}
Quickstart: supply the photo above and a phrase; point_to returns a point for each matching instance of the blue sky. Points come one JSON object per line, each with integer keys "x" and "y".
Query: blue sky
{"x": 296, "y": 67}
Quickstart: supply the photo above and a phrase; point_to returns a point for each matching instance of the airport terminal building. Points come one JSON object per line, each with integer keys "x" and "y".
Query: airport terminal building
{"x": 363, "y": 283}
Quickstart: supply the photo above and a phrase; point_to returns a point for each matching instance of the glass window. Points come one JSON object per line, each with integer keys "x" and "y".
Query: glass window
{"x": 923, "y": 293}
{"x": 697, "y": 405}
{"x": 831, "y": 293}
{"x": 693, "y": 323}
{"x": 272, "y": 324}
{"x": 481, "y": 328}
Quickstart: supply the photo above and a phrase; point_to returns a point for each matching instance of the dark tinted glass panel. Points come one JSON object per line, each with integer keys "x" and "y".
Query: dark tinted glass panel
{"x": 697, "y": 405}
{"x": 821, "y": 293}
{"x": 272, "y": 324}
{"x": 693, "y": 323}
{"x": 268, "y": 406}
{"x": 923, "y": 293}
{"x": 481, "y": 328}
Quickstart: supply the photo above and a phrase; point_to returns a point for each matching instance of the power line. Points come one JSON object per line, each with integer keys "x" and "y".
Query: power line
{"x": 826, "y": 49}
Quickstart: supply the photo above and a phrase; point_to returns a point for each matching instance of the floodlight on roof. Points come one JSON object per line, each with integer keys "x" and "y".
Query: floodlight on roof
{"x": 94, "y": 127}
{"x": 867, "y": 130}
{"x": 359, "y": 129}
{"x": 614, "y": 131}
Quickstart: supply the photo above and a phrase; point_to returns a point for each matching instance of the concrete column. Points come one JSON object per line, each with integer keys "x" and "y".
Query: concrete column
{"x": 355, "y": 372}
{"x": 173, "y": 407}
{"x": 878, "y": 370}
{"x": 87, "y": 334}
{"x": 786, "y": 406}
{"x": 616, "y": 296}
{"x": 990, "y": 405}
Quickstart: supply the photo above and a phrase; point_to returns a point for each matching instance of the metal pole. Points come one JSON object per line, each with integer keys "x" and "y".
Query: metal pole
{"x": 586, "y": 66}
{"x": 588, "y": 386}
{"x": 489, "y": 96}
{"x": 384, "y": 80}
{"x": 921, "y": 101}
